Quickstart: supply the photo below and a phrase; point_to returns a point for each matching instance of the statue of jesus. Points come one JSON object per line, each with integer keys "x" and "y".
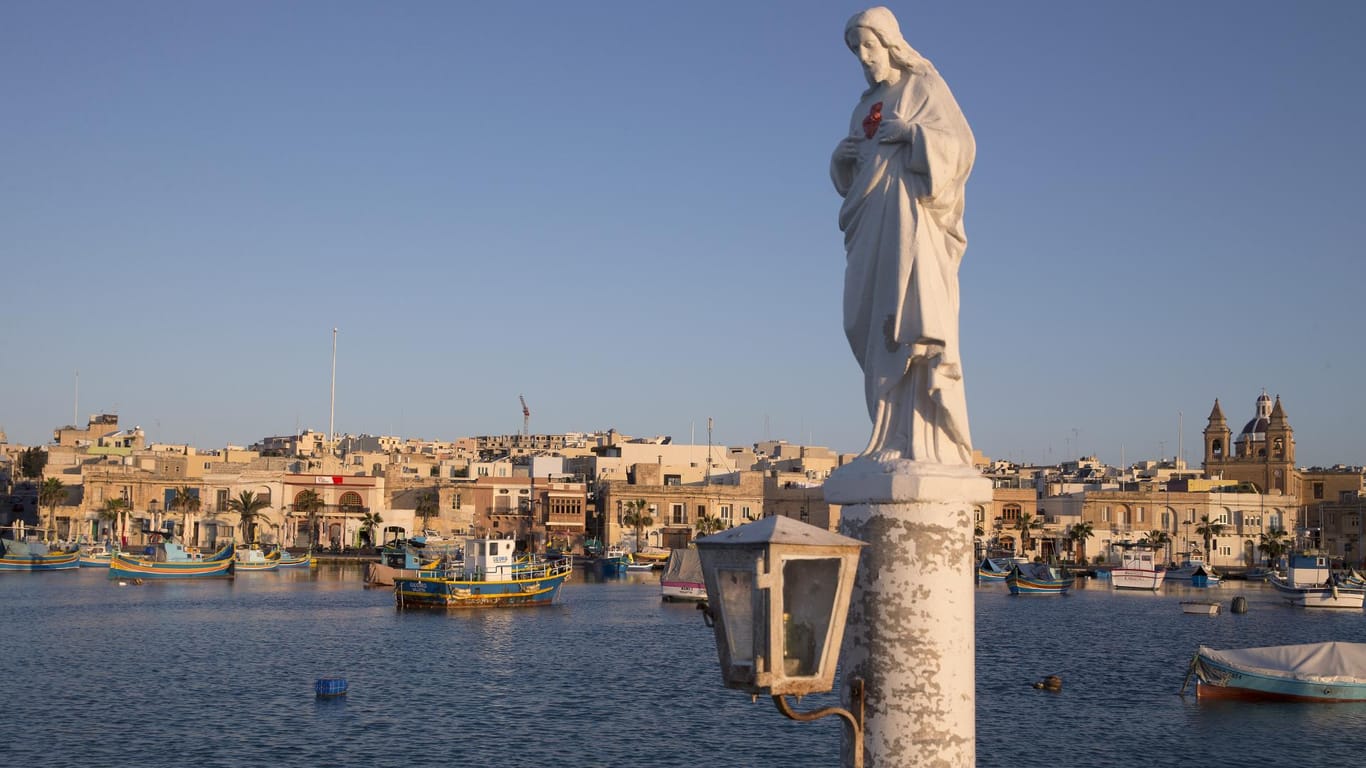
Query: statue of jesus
{"x": 901, "y": 171}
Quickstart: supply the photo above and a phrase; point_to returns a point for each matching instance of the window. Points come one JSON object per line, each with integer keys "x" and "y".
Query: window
{"x": 1318, "y": 490}
{"x": 1138, "y": 515}
{"x": 701, "y": 511}
{"x": 746, "y": 514}
{"x": 725, "y": 512}
{"x": 673, "y": 479}
{"x": 680, "y": 515}
{"x": 1105, "y": 514}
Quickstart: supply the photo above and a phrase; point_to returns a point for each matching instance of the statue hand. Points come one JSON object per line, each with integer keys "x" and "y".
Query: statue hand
{"x": 847, "y": 150}
{"x": 893, "y": 130}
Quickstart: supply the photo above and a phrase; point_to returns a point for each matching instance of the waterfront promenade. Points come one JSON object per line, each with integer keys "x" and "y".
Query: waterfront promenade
{"x": 221, "y": 674}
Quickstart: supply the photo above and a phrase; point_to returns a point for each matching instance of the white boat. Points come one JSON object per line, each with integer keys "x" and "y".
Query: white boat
{"x": 1137, "y": 568}
{"x": 1196, "y": 571}
{"x": 1324, "y": 672}
{"x": 1200, "y": 607}
{"x": 1309, "y": 582}
{"x": 682, "y": 577}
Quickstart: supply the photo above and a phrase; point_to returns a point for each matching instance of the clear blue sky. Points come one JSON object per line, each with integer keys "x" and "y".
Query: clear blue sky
{"x": 622, "y": 211}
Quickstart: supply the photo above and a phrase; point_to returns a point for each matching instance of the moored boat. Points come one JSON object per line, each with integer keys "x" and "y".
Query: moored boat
{"x": 1137, "y": 568}
{"x": 1309, "y": 582}
{"x": 170, "y": 560}
{"x": 613, "y": 560}
{"x": 1037, "y": 579}
{"x": 682, "y": 578}
{"x": 35, "y": 555}
{"x": 1196, "y": 571}
{"x": 489, "y": 575}
{"x": 95, "y": 556}
{"x": 1326, "y": 672}
{"x": 306, "y": 560}
{"x": 993, "y": 569}
{"x": 1200, "y": 607}
{"x": 253, "y": 558}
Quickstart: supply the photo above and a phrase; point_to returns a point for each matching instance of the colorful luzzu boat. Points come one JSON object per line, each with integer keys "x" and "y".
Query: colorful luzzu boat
{"x": 96, "y": 556}
{"x": 35, "y": 555}
{"x": 253, "y": 558}
{"x": 1037, "y": 579}
{"x": 172, "y": 561}
{"x": 490, "y": 576}
{"x": 306, "y": 560}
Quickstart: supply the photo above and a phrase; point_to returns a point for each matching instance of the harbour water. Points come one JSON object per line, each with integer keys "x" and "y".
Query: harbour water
{"x": 221, "y": 673}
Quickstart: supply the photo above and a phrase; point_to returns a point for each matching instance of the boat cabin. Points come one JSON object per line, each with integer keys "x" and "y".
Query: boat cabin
{"x": 1138, "y": 557}
{"x": 490, "y": 559}
{"x": 1308, "y": 568}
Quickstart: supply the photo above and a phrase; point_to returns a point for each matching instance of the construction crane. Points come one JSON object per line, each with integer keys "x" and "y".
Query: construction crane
{"x": 526, "y": 416}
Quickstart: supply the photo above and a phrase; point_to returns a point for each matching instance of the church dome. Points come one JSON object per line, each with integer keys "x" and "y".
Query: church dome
{"x": 1255, "y": 429}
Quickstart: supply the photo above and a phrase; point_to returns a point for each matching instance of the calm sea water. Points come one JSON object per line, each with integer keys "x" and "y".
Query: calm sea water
{"x": 221, "y": 673}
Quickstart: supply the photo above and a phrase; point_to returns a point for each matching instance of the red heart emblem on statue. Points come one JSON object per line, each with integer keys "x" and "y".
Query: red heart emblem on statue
{"x": 871, "y": 122}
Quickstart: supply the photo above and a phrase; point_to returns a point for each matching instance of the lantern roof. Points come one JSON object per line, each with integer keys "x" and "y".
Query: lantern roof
{"x": 778, "y": 529}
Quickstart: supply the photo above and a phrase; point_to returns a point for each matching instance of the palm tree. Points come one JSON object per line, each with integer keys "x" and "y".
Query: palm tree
{"x": 1273, "y": 545}
{"x": 1079, "y": 533}
{"x": 50, "y": 495}
{"x": 637, "y": 515}
{"x": 248, "y": 506}
{"x": 186, "y": 501}
{"x": 426, "y": 507}
{"x": 310, "y": 504}
{"x": 1024, "y": 524}
{"x": 1157, "y": 539}
{"x": 368, "y": 522}
{"x": 112, "y": 513}
{"x": 1208, "y": 530}
{"x": 708, "y": 525}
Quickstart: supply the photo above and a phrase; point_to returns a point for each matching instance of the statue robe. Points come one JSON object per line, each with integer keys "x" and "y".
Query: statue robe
{"x": 902, "y": 220}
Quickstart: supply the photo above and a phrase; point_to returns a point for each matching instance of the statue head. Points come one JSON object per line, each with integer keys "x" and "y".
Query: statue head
{"x": 883, "y": 24}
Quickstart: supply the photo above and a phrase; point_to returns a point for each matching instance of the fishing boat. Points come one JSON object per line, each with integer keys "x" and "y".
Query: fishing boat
{"x": 95, "y": 556}
{"x": 306, "y": 560}
{"x": 31, "y": 554}
{"x": 491, "y": 575}
{"x": 993, "y": 569}
{"x": 633, "y": 566}
{"x": 170, "y": 560}
{"x": 1037, "y": 579}
{"x": 1309, "y": 582}
{"x": 1326, "y": 672}
{"x": 1196, "y": 571}
{"x": 658, "y": 555}
{"x": 253, "y": 558}
{"x": 1137, "y": 568}
{"x": 613, "y": 560}
{"x": 682, "y": 577}
{"x": 1200, "y": 607}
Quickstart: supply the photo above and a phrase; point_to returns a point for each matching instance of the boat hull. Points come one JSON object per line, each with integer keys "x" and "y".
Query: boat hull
{"x": 1219, "y": 677}
{"x": 1023, "y": 584}
{"x": 1137, "y": 578}
{"x": 682, "y": 591}
{"x": 60, "y": 561}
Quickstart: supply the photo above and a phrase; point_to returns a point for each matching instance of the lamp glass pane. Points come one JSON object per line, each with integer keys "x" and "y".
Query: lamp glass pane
{"x": 809, "y": 588}
{"x": 737, "y": 611}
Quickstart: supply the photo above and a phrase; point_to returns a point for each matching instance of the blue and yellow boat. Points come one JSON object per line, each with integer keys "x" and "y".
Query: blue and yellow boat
{"x": 306, "y": 560}
{"x": 491, "y": 575}
{"x": 1037, "y": 579}
{"x": 170, "y": 560}
{"x": 34, "y": 555}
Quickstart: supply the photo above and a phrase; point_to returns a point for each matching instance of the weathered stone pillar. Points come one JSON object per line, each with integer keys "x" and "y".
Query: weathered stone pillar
{"x": 911, "y": 632}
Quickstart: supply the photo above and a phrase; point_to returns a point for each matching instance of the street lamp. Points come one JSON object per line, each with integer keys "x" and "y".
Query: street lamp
{"x": 777, "y": 596}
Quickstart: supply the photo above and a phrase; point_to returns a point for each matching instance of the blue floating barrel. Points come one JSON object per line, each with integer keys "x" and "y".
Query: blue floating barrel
{"x": 330, "y": 687}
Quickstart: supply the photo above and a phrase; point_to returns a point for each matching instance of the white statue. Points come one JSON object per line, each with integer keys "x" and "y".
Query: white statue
{"x": 901, "y": 171}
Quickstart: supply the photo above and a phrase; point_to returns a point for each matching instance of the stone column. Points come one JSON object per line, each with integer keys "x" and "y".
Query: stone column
{"x": 911, "y": 631}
